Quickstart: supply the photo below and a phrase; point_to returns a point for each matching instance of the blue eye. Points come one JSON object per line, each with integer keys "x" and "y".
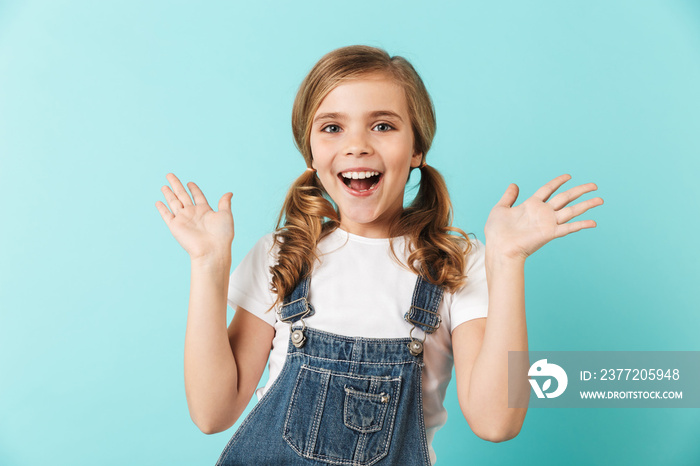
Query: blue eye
{"x": 330, "y": 126}
{"x": 388, "y": 126}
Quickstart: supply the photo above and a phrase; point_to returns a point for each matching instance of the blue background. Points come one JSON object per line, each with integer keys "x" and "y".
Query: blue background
{"x": 99, "y": 100}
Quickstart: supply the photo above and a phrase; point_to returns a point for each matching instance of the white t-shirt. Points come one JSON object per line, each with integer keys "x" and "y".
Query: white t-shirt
{"x": 357, "y": 289}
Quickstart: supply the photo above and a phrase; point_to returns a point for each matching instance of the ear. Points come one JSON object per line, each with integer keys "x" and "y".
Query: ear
{"x": 416, "y": 159}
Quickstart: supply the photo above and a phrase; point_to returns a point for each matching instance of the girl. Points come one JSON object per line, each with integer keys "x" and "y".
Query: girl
{"x": 362, "y": 305}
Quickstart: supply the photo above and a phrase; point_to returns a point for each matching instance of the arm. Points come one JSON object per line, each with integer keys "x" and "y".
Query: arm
{"x": 221, "y": 367}
{"x": 481, "y": 346}
{"x": 481, "y": 355}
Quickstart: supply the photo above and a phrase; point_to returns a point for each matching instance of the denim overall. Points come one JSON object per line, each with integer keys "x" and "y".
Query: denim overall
{"x": 341, "y": 400}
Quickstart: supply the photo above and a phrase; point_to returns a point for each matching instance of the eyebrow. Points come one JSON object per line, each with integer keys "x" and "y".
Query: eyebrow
{"x": 342, "y": 116}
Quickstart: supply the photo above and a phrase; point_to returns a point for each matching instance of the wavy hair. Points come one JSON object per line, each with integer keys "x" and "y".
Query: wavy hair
{"x": 437, "y": 251}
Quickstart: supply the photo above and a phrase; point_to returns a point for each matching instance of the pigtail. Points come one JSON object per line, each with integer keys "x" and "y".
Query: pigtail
{"x": 435, "y": 252}
{"x": 308, "y": 216}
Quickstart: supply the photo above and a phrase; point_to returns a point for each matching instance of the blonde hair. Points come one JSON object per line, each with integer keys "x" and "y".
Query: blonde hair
{"x": 308, "y": 213}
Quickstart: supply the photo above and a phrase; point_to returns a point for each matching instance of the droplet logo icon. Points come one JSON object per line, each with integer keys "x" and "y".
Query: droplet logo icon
{"x": 542, "y": 368}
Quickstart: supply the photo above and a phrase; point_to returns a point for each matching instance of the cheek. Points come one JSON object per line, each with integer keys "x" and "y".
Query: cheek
{"x": 320, "y": 150}
{"x": 399, "y": 149}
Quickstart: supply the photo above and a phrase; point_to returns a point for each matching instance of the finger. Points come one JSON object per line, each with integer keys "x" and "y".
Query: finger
{"x": 566, "y": 228}
{"x": 567, "y": 213}
{"x": 179, "y": 190}
{"x": 173, "y": 201}
{"x": 510, "y": 196}
{"x": 197, "y": 194}
{"x": 545, "y": 191}
{"x": 562, "y": 199}
{"x": 225, "y": 202}
{"x": 164, "y": 212}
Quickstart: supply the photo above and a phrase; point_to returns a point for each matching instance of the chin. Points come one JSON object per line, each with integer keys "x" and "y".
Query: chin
{"x": 362, "y": 220}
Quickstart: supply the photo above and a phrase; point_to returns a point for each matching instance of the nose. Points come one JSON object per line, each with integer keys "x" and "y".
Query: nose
{"x": 357, "y": 143}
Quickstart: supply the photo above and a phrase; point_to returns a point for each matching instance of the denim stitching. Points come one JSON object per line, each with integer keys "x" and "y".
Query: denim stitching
{"x": 294, "y": 353}
{"x": 317, "y": 417}
{"x": 391, "y": 422}
{"x": 358, "y": 339}
{"x": 360, "y": 450}
{"x": 362, "y": 443}
{"x": 416, "y": 289}
{"x": 289, "y": 409}
{"x": 384, "y": 378}
{"x": 395, "y": 385}
{"x": 374, "y": 397}
{"x": 424, "y": 439}
{"x": 354, "y": 357}
{"x": 389, "y": 436}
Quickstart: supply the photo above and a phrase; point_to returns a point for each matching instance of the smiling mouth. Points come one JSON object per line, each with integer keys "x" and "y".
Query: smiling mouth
{"x": 360, "y": 181}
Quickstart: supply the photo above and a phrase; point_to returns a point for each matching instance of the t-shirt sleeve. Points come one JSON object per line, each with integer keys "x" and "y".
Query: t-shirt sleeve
{"x": 472, "y": 300}
{"x": 249, "y": 284}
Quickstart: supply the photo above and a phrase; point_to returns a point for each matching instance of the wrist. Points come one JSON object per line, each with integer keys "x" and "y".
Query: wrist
{"x": 500, "y": 256}
{"x": 212, "y": 260}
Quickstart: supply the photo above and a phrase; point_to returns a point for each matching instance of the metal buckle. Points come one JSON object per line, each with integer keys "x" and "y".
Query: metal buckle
{"x": 302, "y": 314}
{"x": 297, "y": 335}
{"x": 431, "y": 328}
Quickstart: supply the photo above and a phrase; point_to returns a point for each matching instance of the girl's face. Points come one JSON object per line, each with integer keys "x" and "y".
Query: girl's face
{"x": 362, "y": 148}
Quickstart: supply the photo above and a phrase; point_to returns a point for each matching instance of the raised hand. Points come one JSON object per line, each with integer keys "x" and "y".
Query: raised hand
{"x": 519, "y": 231}
{"x": 199, "y": 230}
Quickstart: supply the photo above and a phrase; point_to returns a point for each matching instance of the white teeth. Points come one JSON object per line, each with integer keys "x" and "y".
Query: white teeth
{"x": 359, "y": 175}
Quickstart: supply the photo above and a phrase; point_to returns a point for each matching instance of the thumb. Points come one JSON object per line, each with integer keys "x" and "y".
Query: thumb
{"x": 225, "y": 202}
{"x": 509, "y": 197}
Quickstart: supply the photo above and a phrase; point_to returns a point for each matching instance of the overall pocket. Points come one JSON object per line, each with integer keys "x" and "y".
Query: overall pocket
{"x": 341, "y": 418}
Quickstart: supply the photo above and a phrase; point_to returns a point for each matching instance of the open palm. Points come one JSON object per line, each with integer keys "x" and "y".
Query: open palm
{"x": 521, "y": 230}
{"x": 195, "y": 225}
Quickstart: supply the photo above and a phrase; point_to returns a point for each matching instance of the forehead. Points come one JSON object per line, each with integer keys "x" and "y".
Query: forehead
{"x": 366, "y": 94}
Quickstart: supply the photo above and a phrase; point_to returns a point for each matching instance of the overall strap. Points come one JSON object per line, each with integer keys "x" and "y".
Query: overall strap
{"x": 294, "y": 308}
{"x": 424, "y": 306}
{"x": 296, "y": 305}
{"x": 423, "y": 312}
